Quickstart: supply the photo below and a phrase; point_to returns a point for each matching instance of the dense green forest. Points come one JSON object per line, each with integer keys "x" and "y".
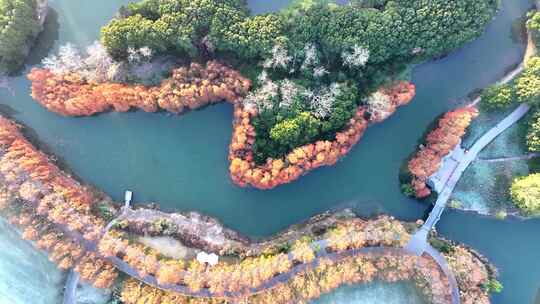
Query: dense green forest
{"x": 18, "y": 28}
{"x": 313, "y": 63}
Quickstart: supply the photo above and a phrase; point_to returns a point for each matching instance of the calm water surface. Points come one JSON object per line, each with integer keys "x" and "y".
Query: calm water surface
{"x": 181, "y": 161}
{"x": 376, "y": 293}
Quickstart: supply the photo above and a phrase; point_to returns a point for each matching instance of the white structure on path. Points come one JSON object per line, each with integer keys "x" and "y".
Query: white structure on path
{"x": 203, "y": 257}
{"x": 127, "y": 198}
{"x": 450, "y": 162}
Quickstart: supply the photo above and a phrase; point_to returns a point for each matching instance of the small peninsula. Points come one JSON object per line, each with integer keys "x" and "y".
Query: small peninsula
{"x": 305, "y": 82}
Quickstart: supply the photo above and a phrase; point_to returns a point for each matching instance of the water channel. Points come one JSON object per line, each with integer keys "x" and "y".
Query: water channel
{"x": 181, "y": 161}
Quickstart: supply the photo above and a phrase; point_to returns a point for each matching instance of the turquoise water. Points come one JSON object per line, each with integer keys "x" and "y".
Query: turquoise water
{"x": 22, "y": 267}
{"x": 181, "y": 161}
{"x": 377, "y": 293}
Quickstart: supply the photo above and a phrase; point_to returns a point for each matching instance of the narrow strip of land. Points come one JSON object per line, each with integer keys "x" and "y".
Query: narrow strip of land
{"x": 321, "y": 254}
{"x": 512, "y": 158}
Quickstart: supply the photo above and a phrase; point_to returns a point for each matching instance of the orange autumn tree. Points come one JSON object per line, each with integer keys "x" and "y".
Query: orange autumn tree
{"x": 170, "y": 272}
{"x": 244, "y": 171}
{"x": 195, "y": 86}
{"x": 52, "y": 209}
{"x": 439, "y": 143}
{"x": 188, "y": 88}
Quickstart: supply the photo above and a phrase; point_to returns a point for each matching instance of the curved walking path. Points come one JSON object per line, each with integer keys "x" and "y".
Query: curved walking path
{"x": 321, "y": 247}
{"x": 417, "y": 246}
{"x": 506, "y": 79}
{"x": 418, "y": 243}
{"x": 504, "y": 159}
{"x": 468, "y": 158}
{"x": 443, "y": 264}
{"x": 269, "y": 284}
{"x": 71, "y": 288}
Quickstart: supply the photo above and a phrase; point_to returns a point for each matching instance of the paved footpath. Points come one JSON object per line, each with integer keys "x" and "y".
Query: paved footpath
{"x": 418, "y": 243}
{"x": 71, "y": 288}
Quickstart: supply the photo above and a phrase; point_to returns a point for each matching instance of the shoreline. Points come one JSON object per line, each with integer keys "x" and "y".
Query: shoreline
{"x": 530, "y": 52}
{"x": 91, "y": 244}
{"x": 217, "y": 83}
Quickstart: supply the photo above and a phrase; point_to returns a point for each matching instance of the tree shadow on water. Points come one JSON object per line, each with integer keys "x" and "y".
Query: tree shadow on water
{"x": 42, "y": 45}
{"x": 46, "y": 39}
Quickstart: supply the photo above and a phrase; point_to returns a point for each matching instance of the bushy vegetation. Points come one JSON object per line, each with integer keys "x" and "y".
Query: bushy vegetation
{"x": 527, "y": 85}
{"x": 191, "y": 27}
{"x": 494, "y": 285}
{"x": 18, "y": 27}
{"x": 533, "y": 24}
{"x": 525, "y": 192}
{"x": 497, "y": 97}
{"x": 396, "y": 30}
{"x": 310, "y": 116}
{"x": 533, "y": 135}
{"x": 305, "y": 52}
{"x": 524, "y": 88}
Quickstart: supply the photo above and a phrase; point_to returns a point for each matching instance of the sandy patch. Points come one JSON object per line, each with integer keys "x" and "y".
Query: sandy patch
{"x": 169, "y": 247}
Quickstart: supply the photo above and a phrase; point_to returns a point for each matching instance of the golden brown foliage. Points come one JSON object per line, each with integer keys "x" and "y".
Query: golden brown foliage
{"x": 188, "y": 88}
{"x": 51, "y": 203}
{"x": 439, "y": 143}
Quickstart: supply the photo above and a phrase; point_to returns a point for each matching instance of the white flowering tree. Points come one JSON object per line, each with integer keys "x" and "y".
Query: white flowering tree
{"x": 279, "y": 58}
{"x": 357, "y": 57}
{"x": 68, "y": 60}
{"x": 379, "y": 105}
{"x": 97, "y": 66}
{"x": 263, "y": 97}
{"x": 311, "y": 57}
{"x": 289, "y": 91}
{"x": 322, "y": 101}
{"x": 138, "y": 55}
{"x": 283, "y": 93}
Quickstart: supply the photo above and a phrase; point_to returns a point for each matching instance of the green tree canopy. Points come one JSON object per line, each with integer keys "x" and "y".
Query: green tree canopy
{"x": 297, "y": 131}
{"x": 190, "y": 27}
{"x": 399, "y": 29}
{"x": 525, "y": 192}
{"x": 497, "y": 97}
{"x": 528, "y": 83}
{"x": 313, "y": 43}
{"x": 533, "y": 134}
{"x": 533, "y": 24}
{"x": 18, "y": 28}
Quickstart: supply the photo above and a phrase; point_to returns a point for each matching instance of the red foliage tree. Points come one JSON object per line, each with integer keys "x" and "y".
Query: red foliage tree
{"x": 439, "y": 143}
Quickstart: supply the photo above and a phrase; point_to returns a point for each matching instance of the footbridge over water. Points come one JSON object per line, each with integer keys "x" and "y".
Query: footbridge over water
{"x": 418, "y": 243}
